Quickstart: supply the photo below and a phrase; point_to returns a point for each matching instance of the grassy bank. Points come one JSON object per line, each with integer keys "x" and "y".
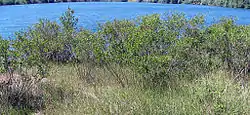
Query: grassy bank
{"x": 67, "y": 93}
{"x": 150, "y": 65}
{"x": 212, "y": 94}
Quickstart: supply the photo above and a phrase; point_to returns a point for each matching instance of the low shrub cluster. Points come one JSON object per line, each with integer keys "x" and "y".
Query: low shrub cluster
{"x": 158, "y": 50}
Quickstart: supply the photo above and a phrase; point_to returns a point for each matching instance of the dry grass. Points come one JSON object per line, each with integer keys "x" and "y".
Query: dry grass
{"x": 215, "y": 94}
{"x": 70, "y": 91}
{"x": 20, "y": 94}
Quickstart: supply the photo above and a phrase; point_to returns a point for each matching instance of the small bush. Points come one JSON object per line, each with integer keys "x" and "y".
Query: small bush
{"x": 21, "y": 93}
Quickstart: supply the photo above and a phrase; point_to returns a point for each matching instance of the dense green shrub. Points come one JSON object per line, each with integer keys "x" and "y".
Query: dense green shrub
{"x": 33, "y": 46}
{"x": 43, "y": 42}
{"x": 162, "y": 49}
{"x": 168, "y": 47}
{"x": 159, "y": 48}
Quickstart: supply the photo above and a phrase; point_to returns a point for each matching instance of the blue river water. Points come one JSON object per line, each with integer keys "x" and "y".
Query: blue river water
{"x": 19, "y": 17}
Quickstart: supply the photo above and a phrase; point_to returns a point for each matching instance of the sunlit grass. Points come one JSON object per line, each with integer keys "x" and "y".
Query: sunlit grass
{"x": 214, "y": 94}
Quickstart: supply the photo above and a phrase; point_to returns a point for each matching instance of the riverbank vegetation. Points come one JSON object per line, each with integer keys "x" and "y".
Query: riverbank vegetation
{"x": 150, "y": 65}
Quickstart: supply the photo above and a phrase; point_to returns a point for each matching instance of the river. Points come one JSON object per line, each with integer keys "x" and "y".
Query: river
{"x": 19, "y": 17}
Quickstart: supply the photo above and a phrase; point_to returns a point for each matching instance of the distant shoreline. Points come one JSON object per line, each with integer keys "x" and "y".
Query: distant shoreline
{"x": 59, "y": 1}
{"x": 227, "y": 5}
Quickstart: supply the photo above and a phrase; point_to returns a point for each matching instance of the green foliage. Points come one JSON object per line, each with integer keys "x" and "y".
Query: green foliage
{"x": 12, "y": 2}
{"x": 162, "y": 49}
{"x": 158, "y": 48}
{"x": 145, "y": 47}
{"x": 20, "y": 2}
{"x": 45, "y": 41}
{"x": 4, "y": 55}
{"x": 7, "y": 2}
{"x": 32, "y": 46}
{"x": 116, "y": 35}
{"x": 69, "y": 21}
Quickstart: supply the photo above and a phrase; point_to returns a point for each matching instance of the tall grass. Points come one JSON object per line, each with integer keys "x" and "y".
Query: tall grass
{"x": 212, "y": 94}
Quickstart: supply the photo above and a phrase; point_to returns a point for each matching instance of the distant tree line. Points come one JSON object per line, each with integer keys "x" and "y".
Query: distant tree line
{"x": 18, "y": 2}
{"x": 224, "y": 3}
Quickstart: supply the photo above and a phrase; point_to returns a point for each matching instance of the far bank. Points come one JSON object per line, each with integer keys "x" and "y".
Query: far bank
{"x": 223, "y": 3}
